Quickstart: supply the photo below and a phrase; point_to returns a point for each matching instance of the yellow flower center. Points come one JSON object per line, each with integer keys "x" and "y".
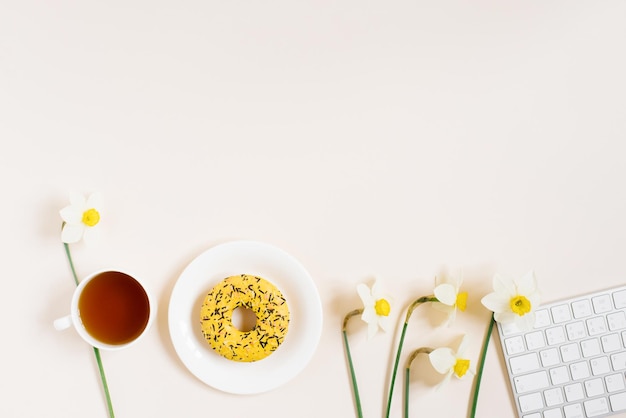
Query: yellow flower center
{"x": 382, "y": 307}
{"x": 91, "y": 217}
{"x": 520, "y": 305}
{"x": 461, "y": 367}
{"x": 461, "y": 300}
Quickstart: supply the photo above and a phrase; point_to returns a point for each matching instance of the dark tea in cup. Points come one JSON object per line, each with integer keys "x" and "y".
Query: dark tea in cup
{"x": 114, "y": 308}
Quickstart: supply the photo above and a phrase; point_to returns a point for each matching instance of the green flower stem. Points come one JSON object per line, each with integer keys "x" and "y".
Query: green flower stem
{"x": 104, "y": 382}
{"x": 412, "y": 307}
{"x": 355, "y": 387}
{"x": 481, "y": 366}
{"x": 69, "y": 258}
{"x": 95, "y": 350}
{"x": 407, "y": 376}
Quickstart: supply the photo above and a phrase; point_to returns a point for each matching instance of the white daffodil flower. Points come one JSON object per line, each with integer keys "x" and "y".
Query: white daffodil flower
{"x": 514, "y": 301}
{"x": 447, "y": 362}
{"x": 80, "y": 217}
{"x": 449, "y": 296}
{"x": 376, "y": 308}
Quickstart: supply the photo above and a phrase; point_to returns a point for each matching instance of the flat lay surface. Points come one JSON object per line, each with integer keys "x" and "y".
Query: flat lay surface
{"x": 349, "y": 142}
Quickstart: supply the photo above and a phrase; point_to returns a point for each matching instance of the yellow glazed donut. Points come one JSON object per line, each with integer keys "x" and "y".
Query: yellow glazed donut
{"x": 260, "y": 296}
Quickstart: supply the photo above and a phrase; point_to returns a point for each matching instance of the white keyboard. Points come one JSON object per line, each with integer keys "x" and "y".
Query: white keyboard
{"x": 572, "y": 364}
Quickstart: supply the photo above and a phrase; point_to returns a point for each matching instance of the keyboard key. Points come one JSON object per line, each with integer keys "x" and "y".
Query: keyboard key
{"x": 542, "y": 318}
{"x": 591, "y": 347}
{"x": 614, "y": 383}
{"x": 514, "y": 345}
{"x": 581, "y": 308}
{"x": 555, "y": 335}
{"x": 524, "y": 364}
{"x": 570, "y": 352}
{"x": 618, "y": 402}
{"x": 531, "y": 382}
{"x": 576, "y": 330}
{"x": 535, "y": 415}
{"x": 553, "y": 397}
{"x": 553, "y": 413}
{"x": 620, "y": 299}
{"x": 535, "y": 340}
{"x": 561, "y": 313}
{"x": 616, "y": 320}
{"x": 600, "y": 365}
{"x": 602, "y": 303}
{"x": 550, "y": 357}
{"x": 531, "y": 402}
{"x": 618, "y": 361}
{"x": 574, "y": 392}
{"x": 594, "y": 387}
{"x": 596, "y": 325}
{"x": 573, "y": 411}
{"x": 579, "y": 370}
{"x": 596, "y": 407}
{"x": 611, "y": 343}
{"x": 559, "y": 375}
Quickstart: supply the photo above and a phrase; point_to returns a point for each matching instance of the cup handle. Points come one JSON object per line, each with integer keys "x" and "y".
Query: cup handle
{"x": 63, "y": 323}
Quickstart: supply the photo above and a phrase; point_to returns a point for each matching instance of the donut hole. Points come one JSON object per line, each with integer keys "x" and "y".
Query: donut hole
{"x": 244, "y": 319}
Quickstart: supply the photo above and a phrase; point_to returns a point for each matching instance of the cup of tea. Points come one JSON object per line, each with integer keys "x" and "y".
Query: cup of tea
{"x": 110, "y": 310}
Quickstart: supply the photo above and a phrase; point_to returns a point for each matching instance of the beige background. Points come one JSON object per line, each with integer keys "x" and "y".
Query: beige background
{"x": 395, "y": 140}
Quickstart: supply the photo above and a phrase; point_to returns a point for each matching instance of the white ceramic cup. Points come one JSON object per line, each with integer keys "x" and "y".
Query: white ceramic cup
{"x": 119, "y": 309}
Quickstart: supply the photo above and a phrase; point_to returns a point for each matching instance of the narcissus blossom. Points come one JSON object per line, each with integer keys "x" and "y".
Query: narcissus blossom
{"x": 514, "y": 301}
{"x": 80, "y": 217}
{"x": 376, "y": 308}
{"x": 448, "y": 362}
{"x": 450, "y": 297}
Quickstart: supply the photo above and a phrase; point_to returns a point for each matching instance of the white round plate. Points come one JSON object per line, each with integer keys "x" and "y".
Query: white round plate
{"x": 271, "y": 263}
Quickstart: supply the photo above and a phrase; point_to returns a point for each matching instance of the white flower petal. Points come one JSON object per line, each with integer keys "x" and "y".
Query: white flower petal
{"x": 366, "y": 296}
{"x": 72, "y": 233}
{"x": 369, "y": 315}
{"x": 527, "y": 285}
{"x": 525, "y": 322}
{"x": 377, "y": 293}
{"x": 95, "y": 201}
{"x": 450, "y": 319}
{"x": 495, "y": 302}
{"x": 446, "y": 294}
{"x": 384, "y": 322}
{"x": 506, "y": 317}
{"x": 375, "y": 290}
{"x": 535, "y": 300}
{"x": 504, "y": 286}
{"x": 71, "y": 214}
{"x": 442, "y": 359}
{"x": 372, "y": 329}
